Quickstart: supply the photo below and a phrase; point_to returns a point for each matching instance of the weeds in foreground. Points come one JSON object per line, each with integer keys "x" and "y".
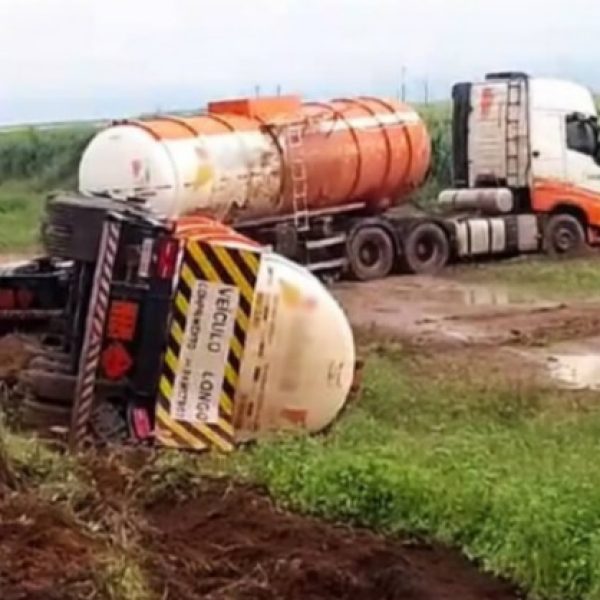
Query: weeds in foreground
{"x": 120, "y": 577}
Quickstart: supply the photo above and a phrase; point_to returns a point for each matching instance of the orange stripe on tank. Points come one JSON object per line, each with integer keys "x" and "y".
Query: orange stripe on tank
{"x": 203, "y": 229}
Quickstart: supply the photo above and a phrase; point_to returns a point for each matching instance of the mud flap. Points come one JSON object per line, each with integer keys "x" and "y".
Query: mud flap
{"x": 210, "y": 316}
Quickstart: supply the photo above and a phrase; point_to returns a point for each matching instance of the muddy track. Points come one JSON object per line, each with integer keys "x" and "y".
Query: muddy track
{"x": 438, "y": 312}
{"x": 518, "y": 336}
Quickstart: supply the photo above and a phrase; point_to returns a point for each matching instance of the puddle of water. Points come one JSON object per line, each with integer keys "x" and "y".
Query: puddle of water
{"x": 494, "y": 296}
{"x": 575, "y": 371}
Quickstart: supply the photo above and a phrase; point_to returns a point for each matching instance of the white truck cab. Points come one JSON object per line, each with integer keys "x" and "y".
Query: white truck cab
{"x": 538, "y": 139}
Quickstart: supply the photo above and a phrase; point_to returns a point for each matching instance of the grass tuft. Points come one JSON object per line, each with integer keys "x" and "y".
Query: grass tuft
{"x": 120, "y": 577}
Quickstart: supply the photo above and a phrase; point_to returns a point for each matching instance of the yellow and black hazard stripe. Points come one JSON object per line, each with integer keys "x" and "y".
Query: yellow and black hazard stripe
{"x": 218, "y": 264}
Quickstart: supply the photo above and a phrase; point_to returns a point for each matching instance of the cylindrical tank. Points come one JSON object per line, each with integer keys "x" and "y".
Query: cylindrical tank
{"x": 490, "y": 201}
{"x": 263, "y": 157}
{"x": 297, "y": 361}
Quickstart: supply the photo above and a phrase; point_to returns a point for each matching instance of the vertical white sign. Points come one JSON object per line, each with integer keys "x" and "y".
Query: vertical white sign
{"x": 204, "y": 351}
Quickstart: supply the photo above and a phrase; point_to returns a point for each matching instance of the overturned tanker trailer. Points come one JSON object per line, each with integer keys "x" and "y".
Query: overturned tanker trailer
{"x": 184, "y": 334}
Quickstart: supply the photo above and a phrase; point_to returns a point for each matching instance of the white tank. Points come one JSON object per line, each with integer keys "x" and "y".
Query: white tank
{"x": 309, "y": 357}
{"x": 297, "y": 349}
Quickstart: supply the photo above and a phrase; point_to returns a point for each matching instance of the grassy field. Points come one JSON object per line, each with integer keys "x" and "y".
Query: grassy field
{"x": 32, "y": 163}
{"x": 572, "y": 278}
{"x": 20, "y": 211}
{"x": 506, "y": 474}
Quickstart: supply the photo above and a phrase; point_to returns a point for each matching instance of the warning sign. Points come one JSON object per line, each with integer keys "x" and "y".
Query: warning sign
{"x": 204, "y": 351}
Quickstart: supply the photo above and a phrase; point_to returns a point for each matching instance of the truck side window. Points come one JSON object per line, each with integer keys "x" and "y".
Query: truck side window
{"x": 581, "y": 137}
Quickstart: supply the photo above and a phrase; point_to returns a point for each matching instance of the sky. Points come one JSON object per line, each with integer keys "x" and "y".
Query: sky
{"x": 78, "y": 59}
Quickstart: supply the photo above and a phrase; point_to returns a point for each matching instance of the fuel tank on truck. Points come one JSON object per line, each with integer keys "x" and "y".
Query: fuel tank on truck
{"x": 265, "y": 157}
{"x": 256, "y": 344}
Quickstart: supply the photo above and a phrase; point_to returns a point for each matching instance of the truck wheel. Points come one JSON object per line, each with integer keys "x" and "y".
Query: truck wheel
{"x": 371, "y": 253}
{"x": 563, "y": 236}
{"x": 426, "y": 249}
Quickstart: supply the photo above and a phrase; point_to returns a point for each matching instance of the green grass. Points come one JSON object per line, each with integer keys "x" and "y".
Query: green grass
{"x": 20, "y": 213}
{"x": 563, "y": 278}
{"x": 508, "y": 474}
{"x": 45, "y": 157}
{"x": 33, "y": 162}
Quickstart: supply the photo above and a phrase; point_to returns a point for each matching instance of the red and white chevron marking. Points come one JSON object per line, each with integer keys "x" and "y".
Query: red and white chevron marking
{"x": 92, "y": 342}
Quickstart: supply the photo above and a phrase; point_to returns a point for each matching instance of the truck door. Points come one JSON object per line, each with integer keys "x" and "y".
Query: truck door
{"x": 547, "y": 146}
{"x": 583, "y": 170}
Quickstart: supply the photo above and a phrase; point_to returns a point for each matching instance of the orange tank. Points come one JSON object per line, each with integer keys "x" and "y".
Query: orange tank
{"x": 265, "y": 157}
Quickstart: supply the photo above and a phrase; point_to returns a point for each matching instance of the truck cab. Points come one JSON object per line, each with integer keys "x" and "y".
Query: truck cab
{"x": 538, "y": 138}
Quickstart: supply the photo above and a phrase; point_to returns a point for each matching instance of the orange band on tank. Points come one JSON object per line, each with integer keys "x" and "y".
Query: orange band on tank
{"x": 201, "y": 228}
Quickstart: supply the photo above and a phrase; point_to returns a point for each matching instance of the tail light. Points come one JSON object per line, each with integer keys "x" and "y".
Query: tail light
{"x": 167, "y": 253}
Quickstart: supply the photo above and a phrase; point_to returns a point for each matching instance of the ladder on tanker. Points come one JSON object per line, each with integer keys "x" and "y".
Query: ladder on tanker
{"x": 298, "y": 176}
{"x": 514, "y": 118}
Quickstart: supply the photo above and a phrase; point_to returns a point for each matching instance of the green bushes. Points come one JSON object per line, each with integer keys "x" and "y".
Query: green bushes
{"x": 20, "y": 215}
{"x": 33, "y": 162}
{"x": 438, "y": 118}
{"x": 506, "y": 473}
{"x": 44, "y": 158}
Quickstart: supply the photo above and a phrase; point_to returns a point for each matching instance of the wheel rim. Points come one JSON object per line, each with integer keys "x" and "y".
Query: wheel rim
{"x": 564, "y": 240}
{"x": 369, "y": 254}
{"x": 426, "y": 249}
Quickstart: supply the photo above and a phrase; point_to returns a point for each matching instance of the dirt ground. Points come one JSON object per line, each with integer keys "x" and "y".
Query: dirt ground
{"x": 43, "y": 556}
{"x": 234, "y": 543}
{"x": 231, "y": 543}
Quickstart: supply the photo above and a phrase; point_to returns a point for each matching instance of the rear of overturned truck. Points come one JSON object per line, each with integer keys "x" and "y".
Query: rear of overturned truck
{"x": 194, "y": 337}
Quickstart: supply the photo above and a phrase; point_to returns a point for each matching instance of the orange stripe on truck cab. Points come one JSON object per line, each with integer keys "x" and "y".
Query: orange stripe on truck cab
{"x": 549, "y": 194}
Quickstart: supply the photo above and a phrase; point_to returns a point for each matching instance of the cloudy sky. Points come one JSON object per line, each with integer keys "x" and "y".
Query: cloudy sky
{"x": 62, "y": 59}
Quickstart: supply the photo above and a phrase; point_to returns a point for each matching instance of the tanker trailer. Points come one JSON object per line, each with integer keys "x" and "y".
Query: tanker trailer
{"x": 183, "y": 333}
{"x": 308, "y": 179}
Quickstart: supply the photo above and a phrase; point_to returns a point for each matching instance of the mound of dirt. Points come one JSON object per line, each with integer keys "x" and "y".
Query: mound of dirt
{"x": 42, "y": 555}
{"x": 232, "y": 543}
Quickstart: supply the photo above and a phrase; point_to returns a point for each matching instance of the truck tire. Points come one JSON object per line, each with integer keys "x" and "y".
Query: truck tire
{"x": 371, "y": 253}
{"x": 426, "y": 249}
{"x": 564, "y": 236}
